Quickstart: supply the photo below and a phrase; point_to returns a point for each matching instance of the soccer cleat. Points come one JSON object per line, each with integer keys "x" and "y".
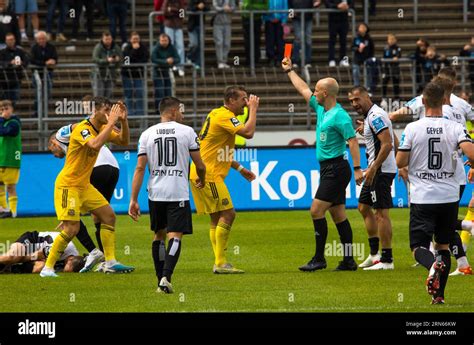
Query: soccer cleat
{"x": 7, "y": 214}
{"x": 48, "y": 273}
{"x": 226, "y": 269}
{"x": 332, "y": 63}
{"x": 346, "y": 265}
{"x": 100, "y": 267}
{"x": 92, "y": 259}
{"x": 370, "y": 261}
{"x": 380, "y": 266}
{"x": 165, "y": 286}
{"x": 118, "y": 268}
{"x": 466, "y": 271}
{"x": 432, "y": 282}
{"x": 437, "y": 300}
{"x": 313, "y": 265}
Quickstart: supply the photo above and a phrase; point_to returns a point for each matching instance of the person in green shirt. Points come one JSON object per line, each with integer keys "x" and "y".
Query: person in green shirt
{"x": 253, "y": 5}
{"x": 333, "y": 129}
{"x": 10, "y": 157}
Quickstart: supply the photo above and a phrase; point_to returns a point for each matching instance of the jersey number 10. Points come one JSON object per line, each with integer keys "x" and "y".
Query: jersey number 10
{"x": 167, "y": 151}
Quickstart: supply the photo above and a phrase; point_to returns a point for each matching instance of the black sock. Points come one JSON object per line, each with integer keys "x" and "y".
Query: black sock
{"x": 172, "y": 256}
{"x": 445, "y": 256}
{"x": 345, "y": 234}
{"x": 459, "y": 224}
{"x": 456, "y": 246}
{"x": 374, "y": 245}
{"x": 158, "y": 252}
{"x": 321, "y": 234}
{"x": 424, "y": 257}
{"x": 84, "y": 238}
{"x": 386, "y": 255}
{"x": 97, "y": 236}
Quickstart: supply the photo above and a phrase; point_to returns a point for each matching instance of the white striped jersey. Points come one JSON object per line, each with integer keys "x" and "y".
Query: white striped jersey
{"x": 375, "y": 122}
{"x": 46, "y": 239}
{"x": 167, "y": 146}
{"x": 106, "y": 157}
{"x": 433, "y": 143}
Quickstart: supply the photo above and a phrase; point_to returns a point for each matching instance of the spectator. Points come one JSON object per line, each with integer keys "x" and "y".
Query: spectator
{"x": 30, "y": 7}
{"x": 78, "y": 5}
{"x": 134, "y": 77}
{"x": 117, "y": 11}
{"x": 43, "y": 54}
{"x": 158, "y": 6}
{"x": 173, "y": 13}
{"x": 13, "y": 61}
{"x": 194, "y": 53}
{"x": 433, "y": 62}
{"x": 274, "y": 31}
{"x": 222, "y": 30}
{"x": 468, "y": 51}
{"x": 101, "y": 6}
{"x": 338, "y": 25}
{"x": 63, "y": 7}
{"x": 164, "y": 56}
{"x": 10, "y": 158}
{"x": 419, "y": 57}
{"x": 303, "y": 38}
{"x": 8, "y": 23}
{"x": 249, "y": 5}
{"x": 363, "y": 50}
{"x": 391, "y": 70}
{"x": 107, "y": 56}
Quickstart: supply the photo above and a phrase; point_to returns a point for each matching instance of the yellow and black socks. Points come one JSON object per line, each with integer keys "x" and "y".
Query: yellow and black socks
{"x": 222, "y": 238}
{"x": 158, "y": 252}
{"x": 13, "y": 204}
{"x": 172, "y": 256}
{"x": 212, "y": 236}
{"x": 3, "y": 197}
{"x": 107, "y": 236}
{"x": 57, "y": 249}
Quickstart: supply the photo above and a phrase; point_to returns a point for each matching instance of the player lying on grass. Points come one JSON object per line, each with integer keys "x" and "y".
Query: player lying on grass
{"x": 74, "y": 194}
{"x": 29, "y": 252}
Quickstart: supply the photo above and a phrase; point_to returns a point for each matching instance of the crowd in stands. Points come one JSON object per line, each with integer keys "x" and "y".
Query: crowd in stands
{"x": 114, "y": 60}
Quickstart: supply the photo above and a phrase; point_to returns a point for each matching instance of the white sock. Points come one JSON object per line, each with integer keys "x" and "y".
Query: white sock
{"x": 110, "y": 263}
{"x": 432, "y": 249}
{"x": 462, "y": 262}
{"x": 466, "y": 224}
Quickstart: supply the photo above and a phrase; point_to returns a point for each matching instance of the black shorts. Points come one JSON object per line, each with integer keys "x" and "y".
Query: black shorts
{"x": 172, "y": 216}
{"x": 105, "y": 178}
{"x": 28, "y": 237}
{"x": 335, "y": 176}
{"x": 379, "y": 193}
{"x": 428, "y": 220}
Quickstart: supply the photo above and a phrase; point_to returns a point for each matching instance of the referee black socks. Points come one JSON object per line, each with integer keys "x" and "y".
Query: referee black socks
{"x": 158, "y": 252}
{"x": 172, "y": 256}
{"x": 345, "y": 234}
{"x": 321, "y": 234}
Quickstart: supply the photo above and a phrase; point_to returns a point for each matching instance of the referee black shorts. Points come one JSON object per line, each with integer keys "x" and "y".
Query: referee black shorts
{"x": 105, "y": 178}
{"x": 379, "y": 193}
{"x": 335, "y": 176}
{"x": 170, "y": 215}
{"x": 432, "y": 220}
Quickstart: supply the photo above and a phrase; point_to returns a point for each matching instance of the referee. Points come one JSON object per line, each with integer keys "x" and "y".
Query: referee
{"x": 333, "y": 129}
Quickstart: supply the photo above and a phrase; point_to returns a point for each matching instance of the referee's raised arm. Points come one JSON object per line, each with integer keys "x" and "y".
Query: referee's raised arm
{"x": 299, "y": 84}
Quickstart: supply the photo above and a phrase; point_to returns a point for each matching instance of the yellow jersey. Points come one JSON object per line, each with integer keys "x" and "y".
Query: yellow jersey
{"x": 217, "y": 138}
{"x": 80, "y": 158}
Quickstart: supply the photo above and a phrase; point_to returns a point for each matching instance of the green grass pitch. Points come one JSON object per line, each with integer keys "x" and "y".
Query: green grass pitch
{"x": 269, "y": 246}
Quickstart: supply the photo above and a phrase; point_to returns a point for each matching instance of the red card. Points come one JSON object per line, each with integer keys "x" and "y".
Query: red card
{"x": 288, "y": 48}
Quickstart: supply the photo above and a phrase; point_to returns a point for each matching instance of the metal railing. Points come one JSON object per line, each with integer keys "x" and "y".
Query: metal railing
{"x": 252, "y": 14}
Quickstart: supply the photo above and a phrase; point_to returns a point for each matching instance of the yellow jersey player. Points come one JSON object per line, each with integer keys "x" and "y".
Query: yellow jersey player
{"x": 217, "y": 139}
{"x": 73, "y": 192}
